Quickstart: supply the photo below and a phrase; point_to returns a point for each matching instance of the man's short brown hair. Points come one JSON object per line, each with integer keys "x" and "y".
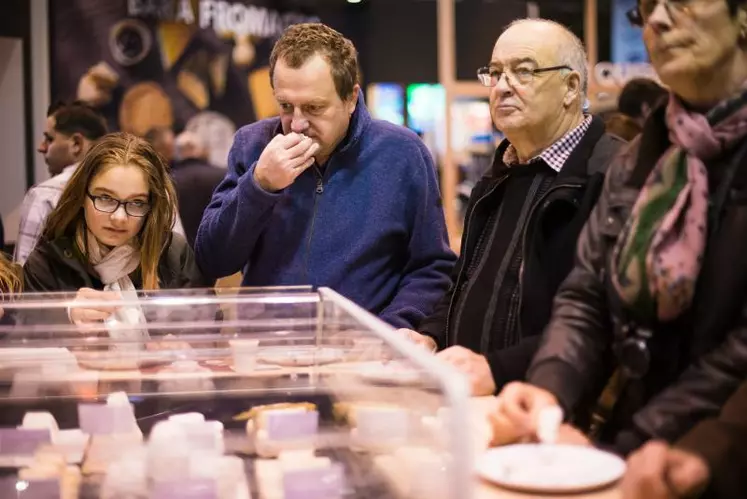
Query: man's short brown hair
{"x": 302, "y": 41}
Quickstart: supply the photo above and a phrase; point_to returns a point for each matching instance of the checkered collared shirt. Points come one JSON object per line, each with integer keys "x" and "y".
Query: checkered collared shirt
{"x": 557, "y": 154}
{"x": 38, "y": 203}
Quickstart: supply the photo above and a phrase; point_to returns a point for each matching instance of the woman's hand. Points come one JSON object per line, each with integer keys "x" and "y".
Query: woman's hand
{"x": 81, "y": 313}
{"x": 520, "y": 406}
{"x": 658, "y": 471}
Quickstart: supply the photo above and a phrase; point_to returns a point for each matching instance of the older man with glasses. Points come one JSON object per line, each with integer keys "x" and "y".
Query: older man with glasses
{"x": 525, "y": 215}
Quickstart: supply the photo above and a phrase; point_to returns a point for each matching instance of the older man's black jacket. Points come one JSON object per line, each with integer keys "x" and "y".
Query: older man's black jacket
{"x": 547, "y": 244}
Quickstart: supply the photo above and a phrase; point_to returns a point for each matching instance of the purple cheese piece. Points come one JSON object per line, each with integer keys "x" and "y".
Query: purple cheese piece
{"x": 315, "y": 483}
{"x": 291, "y": 425}
{"x": 22, "y": 441}
{"x": 102, "y": 419}
{"x": 39, "y": 489}
{"x": 194, "y": 488}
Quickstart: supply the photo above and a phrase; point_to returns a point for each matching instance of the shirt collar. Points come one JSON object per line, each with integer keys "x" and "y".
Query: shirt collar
{"x": 557, "y": 154}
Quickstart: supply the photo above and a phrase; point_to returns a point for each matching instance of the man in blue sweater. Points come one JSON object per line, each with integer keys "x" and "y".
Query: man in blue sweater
{"x": 327, "y": 196}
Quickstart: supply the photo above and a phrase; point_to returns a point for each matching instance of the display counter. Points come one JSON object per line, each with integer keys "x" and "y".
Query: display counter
{"x": 250, "y": 393}
{"x": 274, "y": 393}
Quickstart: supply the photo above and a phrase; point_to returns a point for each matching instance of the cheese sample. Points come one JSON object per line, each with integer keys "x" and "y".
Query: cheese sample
{"x": 126, "y": 477}
{"x": 168, "y": 452}
{"x": 40, "y": 421}
{"x": 226, "y": 471}
{"x": 202, "y": 436}
{"x": 279, "y": 427}
{"x": 376, "y": 427}
{"x": 273, "y": 475}
{"x": 49, "y": 464}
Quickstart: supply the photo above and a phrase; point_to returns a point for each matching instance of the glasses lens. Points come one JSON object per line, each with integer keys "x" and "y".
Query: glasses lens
{"x": 634, "y": 17}
{"x": 523, "y": 76}
{"x": 137, "y": 209}
{"x": 483, "y": 75}
{"x": 107, "y": 205}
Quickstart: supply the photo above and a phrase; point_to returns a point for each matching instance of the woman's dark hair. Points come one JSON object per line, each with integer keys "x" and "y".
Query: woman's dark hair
{"x": 733, "y": 4}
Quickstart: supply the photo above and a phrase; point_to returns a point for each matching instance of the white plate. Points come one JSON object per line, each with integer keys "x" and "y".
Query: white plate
{"x": 553, "y": 469}
{"x": 299, "y": 356}
{"x": 125, "y": 361}
{"x": 387, "y": 372}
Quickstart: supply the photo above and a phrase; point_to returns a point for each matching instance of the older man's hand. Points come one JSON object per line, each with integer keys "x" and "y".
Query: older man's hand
{"x": 657, "y": 471}
{"x": 419, "y": 339}
{"x": 474, "y": 366}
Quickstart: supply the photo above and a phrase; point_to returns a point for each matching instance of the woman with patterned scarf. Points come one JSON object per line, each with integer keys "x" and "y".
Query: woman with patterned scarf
{"x": 649, "y": 332}
{"x": 111, "y": 235}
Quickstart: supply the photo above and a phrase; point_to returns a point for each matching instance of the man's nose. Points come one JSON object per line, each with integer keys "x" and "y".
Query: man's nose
{"x": 299, "y": 123}
{"x": 503, "y": 86}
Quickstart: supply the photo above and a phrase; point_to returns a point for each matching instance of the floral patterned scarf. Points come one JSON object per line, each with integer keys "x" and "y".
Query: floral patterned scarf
{"x": 659, "y": 253}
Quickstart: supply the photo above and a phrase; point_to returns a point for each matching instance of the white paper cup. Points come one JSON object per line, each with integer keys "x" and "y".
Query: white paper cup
{"x": 244, "y": 353}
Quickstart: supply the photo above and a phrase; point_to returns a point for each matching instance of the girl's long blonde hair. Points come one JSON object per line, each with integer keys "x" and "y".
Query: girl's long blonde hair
{"x": 121, "y": 149}
{"x": 10, "y": 277}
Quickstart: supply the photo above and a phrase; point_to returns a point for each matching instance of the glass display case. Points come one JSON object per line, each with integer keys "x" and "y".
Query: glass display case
{"x": 233, "y": 393}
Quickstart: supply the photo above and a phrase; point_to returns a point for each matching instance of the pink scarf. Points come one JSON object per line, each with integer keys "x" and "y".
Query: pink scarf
{"x": 660, "y": 252}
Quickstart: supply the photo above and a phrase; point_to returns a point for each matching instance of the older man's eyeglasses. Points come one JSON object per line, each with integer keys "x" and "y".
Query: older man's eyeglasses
{"x": 640, "y": 15}
{"x": 107, "y": 204}
{"x": 519, "y": 76}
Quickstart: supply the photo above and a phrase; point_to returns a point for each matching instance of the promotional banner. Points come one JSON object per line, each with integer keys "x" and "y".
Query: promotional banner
{"x": 200, "y": 65}
{"x": 626, "y": 40}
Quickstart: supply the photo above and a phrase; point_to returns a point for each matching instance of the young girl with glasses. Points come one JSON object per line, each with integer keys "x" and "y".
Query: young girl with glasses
{"x": 111, "y": 232}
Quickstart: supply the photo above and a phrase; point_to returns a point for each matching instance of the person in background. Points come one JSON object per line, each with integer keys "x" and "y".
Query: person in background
{"x": 195, "y": 179}
{"x": 655, "y": 305}
{"x": 636, "y": 101}
{"x": 639, "y": 97}
{"x": 710, "y": 461}
{"x": 111, "y": 232}
{"x": 621, "y": 125}
{"x": 163, "y": 141}
{"x": 70, "y": 131}
{"x": 325, "y": 195}
{"x": 524, "y": 216}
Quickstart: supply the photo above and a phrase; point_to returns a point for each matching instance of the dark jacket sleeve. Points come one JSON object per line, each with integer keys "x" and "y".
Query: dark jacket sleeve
{"x": 182, "y": 266}
{"x": 698, "y": 394}
{"x": 236, "y": 216}
{"x": 577, "y": 342}
{"x": 722, "y": 442}
{"x": 39, "y": 274}
{"x": 511, "y": 364}
{"x": 426, "y": 275}
{"x": 435, "y": 324}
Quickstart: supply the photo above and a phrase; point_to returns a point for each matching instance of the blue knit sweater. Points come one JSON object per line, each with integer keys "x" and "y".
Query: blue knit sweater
{"x": 373, "y": 230}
